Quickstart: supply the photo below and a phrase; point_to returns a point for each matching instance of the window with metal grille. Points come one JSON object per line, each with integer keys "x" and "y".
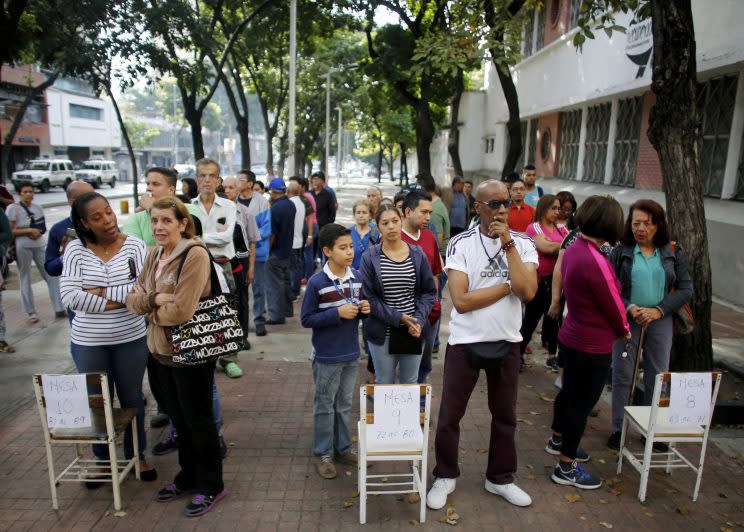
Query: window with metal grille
{"x": 716, "y": 99}
{"x": 540, "y": 29}
{"x": 597, "y": 134}
{"x": 568, "y": 156}
{"x": 627, "y": 136}
{"x": 529, "y": 29}
{"x": 575, "y": 12}
{"x": 531, "y": 142}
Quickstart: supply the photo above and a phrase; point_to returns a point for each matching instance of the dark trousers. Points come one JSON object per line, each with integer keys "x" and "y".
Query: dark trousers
{"x": 459, "y": 381}
{"x": 584, "y": 377}
{"x": 536, "y": 309}
{"x": 188, "y": 401}
{"x": 296, "y": 267}
{"x": 241, "y": 292}
{"x": 278, "y": 289}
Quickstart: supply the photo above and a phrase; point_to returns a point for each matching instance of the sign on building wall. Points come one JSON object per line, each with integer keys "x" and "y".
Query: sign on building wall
{"x": 639, "y": 44}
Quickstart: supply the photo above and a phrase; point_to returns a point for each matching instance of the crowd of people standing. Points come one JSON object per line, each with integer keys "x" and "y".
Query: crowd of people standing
{"x": 506, "y": 253}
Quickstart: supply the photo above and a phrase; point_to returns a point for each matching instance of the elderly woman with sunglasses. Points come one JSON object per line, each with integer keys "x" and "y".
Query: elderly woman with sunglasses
{"x": 548, "y": 236}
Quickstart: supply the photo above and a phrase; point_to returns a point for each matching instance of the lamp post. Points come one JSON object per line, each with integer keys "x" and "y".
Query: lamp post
{"x": 331, "y": 70}
{"x": 339, "y": 143}
{"x": 292, "y": 85}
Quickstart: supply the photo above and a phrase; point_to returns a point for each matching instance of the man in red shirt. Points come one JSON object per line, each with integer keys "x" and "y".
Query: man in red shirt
{"x": 520, "y": 214}
{"x": 417, "y": 208}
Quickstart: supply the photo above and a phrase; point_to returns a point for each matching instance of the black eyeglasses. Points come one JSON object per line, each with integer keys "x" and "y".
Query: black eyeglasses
{"x": 495, "y": 204}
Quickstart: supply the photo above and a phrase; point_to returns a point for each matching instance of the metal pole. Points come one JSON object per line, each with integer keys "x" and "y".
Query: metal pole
{"x": 292, "y": 85}
{"x": 339, "y": 143}
{"x": 175, "y": 128}
{"x": 327, "y": 122}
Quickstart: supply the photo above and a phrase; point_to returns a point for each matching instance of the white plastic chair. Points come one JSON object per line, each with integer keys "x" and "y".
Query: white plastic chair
{"x": 107, "y": 426}
{"x": 373, "y": 450}
{"x": 651, "y": 422}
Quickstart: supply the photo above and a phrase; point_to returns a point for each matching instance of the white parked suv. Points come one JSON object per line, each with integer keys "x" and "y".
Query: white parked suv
{"x": 97, "y": 172}
{"x": 45, "y": 174}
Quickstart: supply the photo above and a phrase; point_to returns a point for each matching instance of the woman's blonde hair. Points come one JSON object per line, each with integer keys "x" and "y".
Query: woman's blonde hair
{"x": 359, "y": 202}
{"x": 179, "y": 210}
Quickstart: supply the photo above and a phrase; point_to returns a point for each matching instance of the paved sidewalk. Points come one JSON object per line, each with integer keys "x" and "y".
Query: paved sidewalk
{"x": 269, "y": 470}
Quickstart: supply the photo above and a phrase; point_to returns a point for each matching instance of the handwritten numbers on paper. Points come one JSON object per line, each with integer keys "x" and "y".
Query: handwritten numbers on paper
{"x": 66, "y": 399}
{"x": 689, "y": 400}
{"x": 397, "y": 414}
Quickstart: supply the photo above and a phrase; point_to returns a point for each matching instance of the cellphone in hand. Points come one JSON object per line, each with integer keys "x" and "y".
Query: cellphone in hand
{"x": 222, "y": 220}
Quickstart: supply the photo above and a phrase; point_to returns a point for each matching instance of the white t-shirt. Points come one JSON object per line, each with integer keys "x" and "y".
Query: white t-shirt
{"x": 469, "y": 253}
{"x": 299, "y": 221}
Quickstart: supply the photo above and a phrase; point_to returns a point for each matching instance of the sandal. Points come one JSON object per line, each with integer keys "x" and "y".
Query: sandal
{"x": 5, "y": 347}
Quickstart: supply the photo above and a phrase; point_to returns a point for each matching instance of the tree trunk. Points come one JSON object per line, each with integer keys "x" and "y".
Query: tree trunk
{"x": 514, "y": 125}
{"x": 453, "y": 145}
{"x": 6, "y": 169}
{"x": 379, "y": 163}
{"x": 403, "y": 163}
{"x": 193, "y": 117}
{"x": 127, "y": 141}
{"x": 674, "y": 130}
{"x": 270, "y": 133}
{"x": 424, "y": 136}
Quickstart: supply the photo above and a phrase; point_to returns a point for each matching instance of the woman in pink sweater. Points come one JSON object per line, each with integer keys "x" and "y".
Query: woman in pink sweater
{"x": 596, "y": 317}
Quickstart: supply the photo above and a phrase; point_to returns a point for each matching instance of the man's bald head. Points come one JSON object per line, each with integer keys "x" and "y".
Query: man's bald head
{"x": 293, "y": 188}
{"x": 490, "y": 188}
{"x": 77, "y": 189}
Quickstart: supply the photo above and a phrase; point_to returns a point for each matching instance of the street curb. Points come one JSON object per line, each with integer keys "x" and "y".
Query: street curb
{"x": 63, "y": 203}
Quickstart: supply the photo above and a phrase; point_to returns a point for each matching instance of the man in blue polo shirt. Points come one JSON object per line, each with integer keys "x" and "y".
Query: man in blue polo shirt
{"x": 282, "y": 233}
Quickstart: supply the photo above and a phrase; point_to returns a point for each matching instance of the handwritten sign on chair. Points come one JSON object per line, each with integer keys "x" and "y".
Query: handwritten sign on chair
{"x": 689, "y": 399}
{"x": 397, "y": 411}
{"x": 66, "y": 398}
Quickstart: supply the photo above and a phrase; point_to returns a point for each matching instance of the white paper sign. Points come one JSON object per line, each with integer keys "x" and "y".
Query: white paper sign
{"x": 390, "y": 437}
{"x": 689, "y": 401}
{"x": 66, "y": 399}
{"x": 397, "y": 406}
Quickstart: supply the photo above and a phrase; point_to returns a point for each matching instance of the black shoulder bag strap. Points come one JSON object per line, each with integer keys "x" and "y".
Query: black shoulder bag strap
{"x": 214, "y": 280}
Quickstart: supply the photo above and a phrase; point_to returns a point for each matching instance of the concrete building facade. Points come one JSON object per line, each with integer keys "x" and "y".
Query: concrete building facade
{"x": 585, "y": 117}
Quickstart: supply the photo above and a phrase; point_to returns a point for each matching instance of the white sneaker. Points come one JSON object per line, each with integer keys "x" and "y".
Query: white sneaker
{"x": 511, "y": 492}
{"x": 437, "y": 496}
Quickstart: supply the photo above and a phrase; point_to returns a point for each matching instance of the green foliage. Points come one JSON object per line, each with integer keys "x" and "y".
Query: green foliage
{"x": 599, "y": 15}
{"x": 140, "y": 133}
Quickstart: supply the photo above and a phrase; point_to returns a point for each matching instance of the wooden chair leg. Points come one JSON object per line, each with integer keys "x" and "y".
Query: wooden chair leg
{"x": 52, "y": 476}
{"x": 114, "y": 464}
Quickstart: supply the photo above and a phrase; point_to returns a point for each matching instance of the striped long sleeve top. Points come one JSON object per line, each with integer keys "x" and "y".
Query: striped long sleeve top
{"x": 82, "y": 269}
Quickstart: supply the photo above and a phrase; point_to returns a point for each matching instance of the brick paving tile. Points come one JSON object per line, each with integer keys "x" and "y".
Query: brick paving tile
{"x": 273, "y": 485}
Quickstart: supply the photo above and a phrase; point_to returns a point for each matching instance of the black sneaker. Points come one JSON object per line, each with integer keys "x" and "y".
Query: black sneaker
{"x": 260, "y": 330}
{"x": 171, "y": 492}
{"x": 613, "y": 442}
{"x": 658, "y": 447}
{"x": 552, "y": 363}
{"x": 554, "y": 447}
{"x": 201, "y": 504}
{"x": 168, "y": 445}
{"x": 572, "y": 474}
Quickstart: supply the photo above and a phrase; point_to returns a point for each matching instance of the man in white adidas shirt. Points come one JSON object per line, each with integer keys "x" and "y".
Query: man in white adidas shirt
{"x": 491, "y": 272}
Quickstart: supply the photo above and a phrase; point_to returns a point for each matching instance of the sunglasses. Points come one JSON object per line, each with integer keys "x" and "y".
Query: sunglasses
{"x": 496, "y": 204}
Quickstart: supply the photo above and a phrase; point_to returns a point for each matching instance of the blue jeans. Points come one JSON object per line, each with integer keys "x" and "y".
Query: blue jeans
{"x": 259, "y": 293}
{"x": 277, "y": 275}
{"x": 125, "y": 365}
{"x": 334, "y": 393}
{"x": 296, "y": 266}
{"x": 385, "y": 364}
{"x": 309, "y": 266}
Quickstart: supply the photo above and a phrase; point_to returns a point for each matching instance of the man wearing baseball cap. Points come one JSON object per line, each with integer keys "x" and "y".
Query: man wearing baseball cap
{"x": 282, "y": 233}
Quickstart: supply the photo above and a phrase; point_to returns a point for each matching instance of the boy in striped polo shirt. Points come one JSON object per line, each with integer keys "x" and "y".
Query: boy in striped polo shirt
{"x": 332, "y": 307}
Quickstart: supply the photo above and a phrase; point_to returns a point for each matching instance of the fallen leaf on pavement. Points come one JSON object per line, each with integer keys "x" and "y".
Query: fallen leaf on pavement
{"x": 525, "y": 421}
{"x": 649, "y": 514}
{"x": 348, "y": 473}
{"x": 612, "y": 482}
{"x": 605, "y": 524}
{"x": 355, "y": 494}
{"x": 530, "y": 466}
{"x": 617, "y": 491}
{"x": 546, "y": 399}
{"x": 602, "y": 501}
{"x": 683, "y": 510}
{"x": 534, "y": 413}
{"x": 530, "y": 477}
{"x": 452, "y": 516}
{"x": 582, "y": 517}
{"x": 482, "y": 451}
{"x": 348, "y": 504}
{"x": 572, "y": 497}
{"x": 413, "y": 522}
{"x": 601, "y": 461}
{"x": 528, "y": 386}
{"x": 726, "y": 529}
{"x": 120, "y": 514}
{"x": 413, "y": 498}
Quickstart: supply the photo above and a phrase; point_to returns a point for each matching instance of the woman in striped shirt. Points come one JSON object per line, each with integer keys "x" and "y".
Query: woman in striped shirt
{"x": 399, "y": 285}
{"x": 99, "y": 269}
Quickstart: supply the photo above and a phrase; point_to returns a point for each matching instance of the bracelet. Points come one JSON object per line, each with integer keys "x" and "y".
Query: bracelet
{"x": 506, "y": 247}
